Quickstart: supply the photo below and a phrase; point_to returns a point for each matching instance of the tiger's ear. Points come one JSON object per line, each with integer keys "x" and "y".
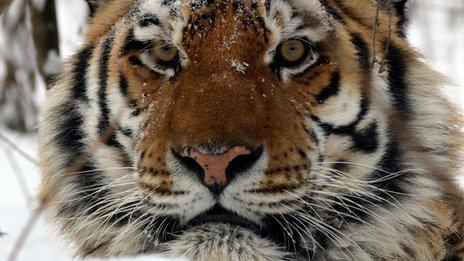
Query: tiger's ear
{"x": 94, "y": 5}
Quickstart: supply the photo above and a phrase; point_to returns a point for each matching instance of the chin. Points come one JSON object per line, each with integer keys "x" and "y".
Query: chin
{"x": 223, "y": 241}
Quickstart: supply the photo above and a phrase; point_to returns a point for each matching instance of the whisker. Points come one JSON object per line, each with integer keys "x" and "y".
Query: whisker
{"x": 97, "y": 170}
{"x": 323, "y": 227}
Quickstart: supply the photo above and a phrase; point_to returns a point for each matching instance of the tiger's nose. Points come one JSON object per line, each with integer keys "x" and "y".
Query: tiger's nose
{"x": 218, "y": 170}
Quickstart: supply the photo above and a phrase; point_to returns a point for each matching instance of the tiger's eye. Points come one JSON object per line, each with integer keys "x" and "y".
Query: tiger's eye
{"x": 293, "y": 50}
{"x": 164, "y": 52}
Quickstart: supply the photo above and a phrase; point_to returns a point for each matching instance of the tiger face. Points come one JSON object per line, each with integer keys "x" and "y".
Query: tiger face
{"x": 229, "y": 130}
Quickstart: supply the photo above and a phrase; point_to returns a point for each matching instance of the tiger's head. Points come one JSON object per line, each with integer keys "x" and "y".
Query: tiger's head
{"x": 228, "y": 129}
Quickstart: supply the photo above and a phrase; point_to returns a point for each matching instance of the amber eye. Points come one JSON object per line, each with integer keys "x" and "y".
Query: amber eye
{"x": 164, "y": 53}
{"x": 291, "y": 53}
{"x": 292, "y": 50}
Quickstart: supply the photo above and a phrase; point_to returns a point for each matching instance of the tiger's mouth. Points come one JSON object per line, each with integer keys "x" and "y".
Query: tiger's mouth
{"x": 219, "y": 214}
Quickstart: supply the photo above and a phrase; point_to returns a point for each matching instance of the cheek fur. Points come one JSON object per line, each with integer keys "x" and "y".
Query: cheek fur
{"x": 356, "y": 164}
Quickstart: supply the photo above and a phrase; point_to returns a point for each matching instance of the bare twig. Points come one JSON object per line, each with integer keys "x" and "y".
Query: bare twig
{"x": 19, "y": 243}
{"x": 374, "y": 35}
{"x": 388, "y": 5}
{"x": 5, "y": 139}
{"x": 29, "y": 53}
{"x": 19, "y": 176}
{"x": 46, "y": 199}
{"x": 46, "y": 40}
{"x": 387, "y": 47}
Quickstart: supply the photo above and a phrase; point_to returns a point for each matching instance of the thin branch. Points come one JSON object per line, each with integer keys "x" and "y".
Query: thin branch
{"x": 374, "y": 35}
{"x": 388, "y": 5}
{"x": 7, "y": 141}
{"x": 19, "y": 243}
{"x": 387, "y": 47}
{"x": 20, "y": 177}
{"x": 46, "y": 199}
{"x": 46, "y": 39}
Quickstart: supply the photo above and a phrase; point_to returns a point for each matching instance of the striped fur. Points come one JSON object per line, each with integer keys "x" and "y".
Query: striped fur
{"x": 358, "y": 163}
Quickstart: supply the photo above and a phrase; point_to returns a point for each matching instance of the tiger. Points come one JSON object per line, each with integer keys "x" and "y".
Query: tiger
{"x": 252, "y": 130}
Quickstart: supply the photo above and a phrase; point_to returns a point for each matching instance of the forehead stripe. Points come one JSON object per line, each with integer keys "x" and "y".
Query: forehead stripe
{"x": 331, "y": 11}
{"x": 148, "y": 20}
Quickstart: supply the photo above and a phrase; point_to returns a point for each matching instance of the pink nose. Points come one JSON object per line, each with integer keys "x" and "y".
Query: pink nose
{"x": 214, "y": 166}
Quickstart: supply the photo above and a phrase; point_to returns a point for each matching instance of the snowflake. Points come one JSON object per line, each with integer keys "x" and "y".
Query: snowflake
{"x": 240, "y": 66}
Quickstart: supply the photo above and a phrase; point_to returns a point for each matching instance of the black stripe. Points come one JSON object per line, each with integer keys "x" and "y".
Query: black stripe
{"x": 396, "y": 82}
{"x": 400, "y": 8}
{"x": 126, "y": 131}
{"x": 112, "y": 141}
{"x": 125, "y": 213}
{"x": 345, "y": 129}
{"x": 363, "y": 140}
{"x": 201, "y": 3}
{"x": 168, "y": 224}
{"x": 79, "y": 71}
{"x": 281, "y": 230}
{"x": 148, "y": 20}
{"x": 357, "y": 208}
{"x": 134, "y": 45}
{"x": 103, "y": 75}
{"x": 330, "y": 90}
{"x": 93, "y": 7}
{"x": 135, "y": 61}
{"x": 320, "y": 61}
{"x": 311, "y": 134}
{"x": 267, "y": 6}
{"x": 294, "y": 15}
{"x": 391, "y": 163}
{"x": 388, "y": 190}
{"x": 238, "y": 7}
{"x": 91, "y": 182}
{"x": 303, "y": 155}
{"x": 70, "y": 136}
{"x": 123, "y": 84}
{"x": 104, "y": 122}
{"x": 366, "y": 140}
{"x": 332, "y": 11}
{"x": 452, "y": 257}
{"x": 166, "y": 3}
{"x": 93, "y": 199}
{"x": 349, "y": 13}
{"x": 362, "y": 51}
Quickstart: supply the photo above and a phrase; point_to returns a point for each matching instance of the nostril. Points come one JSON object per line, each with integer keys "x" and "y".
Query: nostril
{"x": 189, "y": 163}
{"x": 216, "y": 171}
{"x": 243, "y": 163}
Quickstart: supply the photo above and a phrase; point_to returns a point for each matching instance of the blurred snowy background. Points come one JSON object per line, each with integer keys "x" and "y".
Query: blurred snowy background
{"x": 26, "y": 63}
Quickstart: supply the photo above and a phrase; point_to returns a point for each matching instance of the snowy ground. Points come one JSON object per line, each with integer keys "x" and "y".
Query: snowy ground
{"x": 445, "y": 52}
